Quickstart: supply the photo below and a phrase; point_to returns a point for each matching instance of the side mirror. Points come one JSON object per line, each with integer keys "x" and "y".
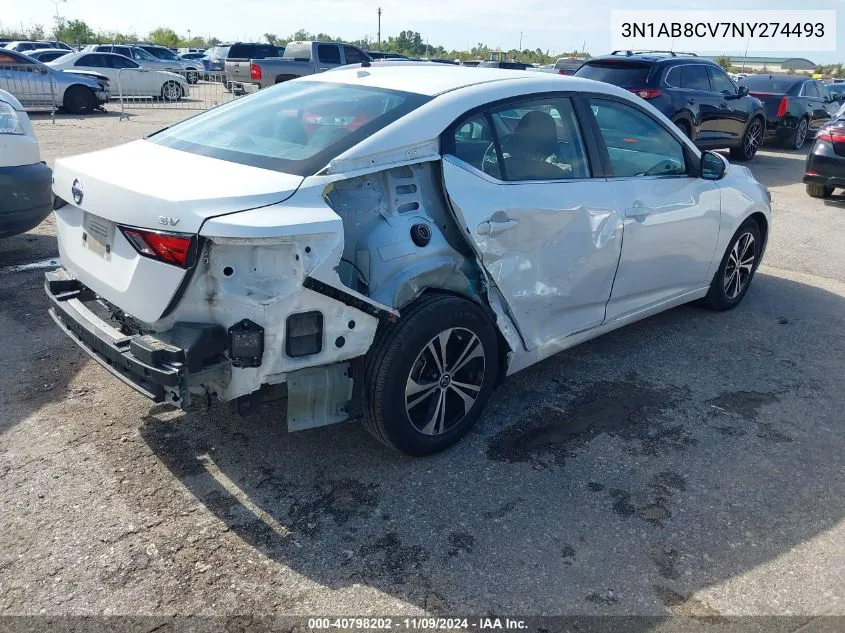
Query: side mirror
{"x": 743, "y": 91}
{"x": 713, "y": 166}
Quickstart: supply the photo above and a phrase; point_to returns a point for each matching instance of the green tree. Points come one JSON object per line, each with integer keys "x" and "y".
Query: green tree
{"x": 74, "y": 32}
{"x": 725, "y": 62}
{"x": 271, "y": 38}
{"x": 165, "y": 37}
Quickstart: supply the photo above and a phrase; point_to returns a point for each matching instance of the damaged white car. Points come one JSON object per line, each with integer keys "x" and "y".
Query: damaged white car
{"x": 388, "y": 243}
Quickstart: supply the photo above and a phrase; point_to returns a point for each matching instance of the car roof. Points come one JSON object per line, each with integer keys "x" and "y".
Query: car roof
{"x": 653, "y": 57}
{"x": 432, "y": 78}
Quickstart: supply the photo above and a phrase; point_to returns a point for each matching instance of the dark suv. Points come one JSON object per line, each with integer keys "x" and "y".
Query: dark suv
{"x": 693, "y": 92}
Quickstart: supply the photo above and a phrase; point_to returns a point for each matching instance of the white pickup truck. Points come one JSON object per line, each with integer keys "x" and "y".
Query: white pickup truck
{"x": 303, "y": 58}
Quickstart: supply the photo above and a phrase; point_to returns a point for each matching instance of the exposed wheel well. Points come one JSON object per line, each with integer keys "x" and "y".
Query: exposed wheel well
{"x": 282, "y": 78}
{"x": 762, "y": 223}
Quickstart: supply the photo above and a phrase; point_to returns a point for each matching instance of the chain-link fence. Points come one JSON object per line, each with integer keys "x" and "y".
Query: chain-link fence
{"x": 138, "y": 88}
{"x": 32, "y": 85}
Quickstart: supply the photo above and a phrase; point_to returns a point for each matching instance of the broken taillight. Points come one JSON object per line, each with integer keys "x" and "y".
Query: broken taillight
{"x": 178, "y": 249}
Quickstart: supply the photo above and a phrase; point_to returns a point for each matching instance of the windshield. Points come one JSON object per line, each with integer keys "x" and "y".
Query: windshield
{"x": 295, "y": 127}
{"x": 625, "y": 74}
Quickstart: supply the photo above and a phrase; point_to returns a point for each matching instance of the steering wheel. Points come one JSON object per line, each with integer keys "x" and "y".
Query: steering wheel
{"x": 490, "y": 162}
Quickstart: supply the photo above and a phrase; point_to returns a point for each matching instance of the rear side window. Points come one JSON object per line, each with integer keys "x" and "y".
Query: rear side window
{"x": 689, "y": 77}
{"x": 637, "y": 145}
{"x": 241, "y": 51}
{"x": 625, "y": 74}
{"x": 265, "y": 50}
{"x": 328, "y": 53}
{"x": 122, "y": 50}
{"x": 473, "y": 144}
{"x": 809, "y": 89}
{"x": 93, "y": 61}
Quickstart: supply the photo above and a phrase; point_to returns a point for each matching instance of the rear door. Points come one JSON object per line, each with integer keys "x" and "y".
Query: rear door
{"x": 671, "y": 217}
{"x": 538, "y": 212}
{"x": 693, "y": 86}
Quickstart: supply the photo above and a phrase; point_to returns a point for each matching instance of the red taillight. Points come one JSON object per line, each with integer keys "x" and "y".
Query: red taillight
{"x": 254, "y": 71}
{"x": 645, "y": 93}
{"x": 783, "y": 106}
{"x": 171, "y": 248}
{"x": 831, "y": 135}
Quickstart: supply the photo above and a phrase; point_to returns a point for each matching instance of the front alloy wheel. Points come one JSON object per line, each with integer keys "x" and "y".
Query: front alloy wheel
{"x": 427, "y": 378}
{"x": 732, "y": 279}
{"x": 751, "y": 141}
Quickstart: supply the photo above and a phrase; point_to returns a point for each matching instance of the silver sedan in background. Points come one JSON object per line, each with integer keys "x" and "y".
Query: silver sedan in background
{"x": 37, "y": 86}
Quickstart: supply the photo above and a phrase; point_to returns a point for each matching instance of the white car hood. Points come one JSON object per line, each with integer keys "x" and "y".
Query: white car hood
{"x": 147, "y": 185}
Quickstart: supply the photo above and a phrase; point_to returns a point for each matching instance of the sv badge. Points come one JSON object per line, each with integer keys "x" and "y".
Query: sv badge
{"x": 168, "y": 221}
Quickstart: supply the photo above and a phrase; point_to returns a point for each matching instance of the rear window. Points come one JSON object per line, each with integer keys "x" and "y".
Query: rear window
{"x": 294, "y": 127}
{"x": 625, "y": 74}
{"x": 769, "y": 83}
{"x": 252, "y": 51}
{"x": 298, "y": 50}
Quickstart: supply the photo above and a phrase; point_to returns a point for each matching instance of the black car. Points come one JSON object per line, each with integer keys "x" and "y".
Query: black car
{"x": 693, "y": 92}
{"x": 506, "y": 65}
{"x": 824, "y": 170}
{"x": 795, "y": 106}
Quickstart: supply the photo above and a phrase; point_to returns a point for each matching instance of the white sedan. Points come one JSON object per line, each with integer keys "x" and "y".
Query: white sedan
{"x": 388, "y": 242}
{"x": 125, "y": 76}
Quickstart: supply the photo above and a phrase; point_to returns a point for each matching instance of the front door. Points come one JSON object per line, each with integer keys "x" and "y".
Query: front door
{"x": 547, "y": 233}
{"x": 671, "y": 216}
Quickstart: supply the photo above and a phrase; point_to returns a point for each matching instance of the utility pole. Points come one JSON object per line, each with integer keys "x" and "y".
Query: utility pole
{"x": 379, "y": 28}
{"x": 520, "y": 41}
{"x": 189, "y": 37}
{"x": 57, "y": 3}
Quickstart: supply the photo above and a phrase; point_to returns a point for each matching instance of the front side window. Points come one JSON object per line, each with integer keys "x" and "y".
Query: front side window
{"x": 92, "y": 61}
{"x": 353, "y": 55}
{"x": 721, "y": 82}
{"x": 328, "y": 53}
{"x": 690, "y": 77}
{"x": 295, "y": 127}
{"x": 637, "y": 145}
{"x": 541, "y": 140}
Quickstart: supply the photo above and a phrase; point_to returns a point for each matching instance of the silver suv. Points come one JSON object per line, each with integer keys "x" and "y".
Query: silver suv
{"x": 188, "y": 68}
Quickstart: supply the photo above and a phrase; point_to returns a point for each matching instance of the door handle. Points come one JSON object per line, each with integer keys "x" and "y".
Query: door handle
{"x": 638, "y": 212}
{"x": 491, "y": 227}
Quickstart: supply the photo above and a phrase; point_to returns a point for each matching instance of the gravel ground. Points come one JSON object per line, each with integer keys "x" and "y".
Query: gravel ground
{"x": 689, "y": 464}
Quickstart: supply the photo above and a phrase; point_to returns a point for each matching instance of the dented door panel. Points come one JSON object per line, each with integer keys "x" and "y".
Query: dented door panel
{"x": 552, "y": 248}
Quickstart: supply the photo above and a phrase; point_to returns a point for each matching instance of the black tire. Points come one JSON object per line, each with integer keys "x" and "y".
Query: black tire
{"x": 819, "y": 191}
{"x": 80, "y": 100}
{"x": 172, "y": 91}
{"x": 192, "y": 76}
{"x": 684, "y": 127}
{"x": 750, "y": 142}
{"x": 403, "y": 354}
{"x": 723, "y": 295}
{"x": 799, "y": 135}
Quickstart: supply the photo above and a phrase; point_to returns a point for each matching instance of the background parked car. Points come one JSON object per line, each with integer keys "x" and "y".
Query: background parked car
{"x": 190, "y": 70}
{"x": 47, "y": 54}
{"x": 299, "y": 59}
{"x": 568, "y": 65}
{"x": 694, "y": 93}
{"x": 795, "y": 106}
{"x": 25, "y": 181}
{"x": 378, "y": 55}
{"x": 23, "y": 46}
{"x": 239, "y": 58}
{"x": 824, "y": 169}
{"x": 508, "y": 65}
{"x": 127, "y": 77}
{"x": 37, "y": 85}
{"x": 191, "y": 67}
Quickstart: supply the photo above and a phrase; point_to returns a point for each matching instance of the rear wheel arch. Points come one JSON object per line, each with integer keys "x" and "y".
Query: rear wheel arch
{"x": 283, "y": 78}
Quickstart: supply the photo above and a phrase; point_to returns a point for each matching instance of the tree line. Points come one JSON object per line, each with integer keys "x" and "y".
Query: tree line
{"x": 408, "y": 42}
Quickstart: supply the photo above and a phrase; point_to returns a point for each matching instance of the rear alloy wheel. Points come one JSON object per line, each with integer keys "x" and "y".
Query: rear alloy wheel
{"x": 171, "y": 91}
{"x": 192, "y": 76}
{"x": 732, "y": 279}
{"x": 428, "y": 377}
{"x": 751, "y": 141}
{"x": 796, "y": 141}
{"x": 819, "y": 191}
{"x": 80, "y": 100}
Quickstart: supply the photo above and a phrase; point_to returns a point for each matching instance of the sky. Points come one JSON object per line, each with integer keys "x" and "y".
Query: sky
{"x": 556, "y": 25}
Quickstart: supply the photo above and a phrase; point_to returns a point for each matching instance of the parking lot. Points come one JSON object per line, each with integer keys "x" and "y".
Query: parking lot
{"x": 689, "y": 464}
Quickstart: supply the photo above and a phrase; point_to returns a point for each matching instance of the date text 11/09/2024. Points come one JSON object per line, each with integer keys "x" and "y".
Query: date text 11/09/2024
{"x": 425, "y": 623}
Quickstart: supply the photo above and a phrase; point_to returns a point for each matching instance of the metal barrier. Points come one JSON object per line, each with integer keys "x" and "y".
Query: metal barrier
{"x": 32, "y": 85}
{"x": 140, "y": 88}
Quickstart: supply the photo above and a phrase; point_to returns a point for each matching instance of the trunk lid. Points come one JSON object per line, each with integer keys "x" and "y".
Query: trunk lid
{"x": 771, "y": 102}
{"x": 150, "y": 187}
